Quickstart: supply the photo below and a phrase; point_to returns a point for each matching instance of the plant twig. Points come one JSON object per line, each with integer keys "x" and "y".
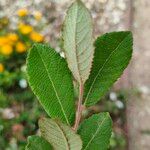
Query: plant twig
{"x": 79, "y": 108}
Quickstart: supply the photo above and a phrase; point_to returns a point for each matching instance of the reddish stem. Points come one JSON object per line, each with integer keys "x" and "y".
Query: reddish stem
{"x": 79, "y": 108}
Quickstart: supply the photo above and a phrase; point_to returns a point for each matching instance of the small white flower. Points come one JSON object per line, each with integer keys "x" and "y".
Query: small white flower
{"x": 23, "y": 83}
{"x": 62, "y": 54}
{"x": 119, "y": 104}
{"x": 113, "y": 96}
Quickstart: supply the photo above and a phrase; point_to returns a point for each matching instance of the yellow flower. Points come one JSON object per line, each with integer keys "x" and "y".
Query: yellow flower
{"x": 8, "y": 39}
{"x": 22, "y": 12}
{"x": 37, "y": 15}
{"x": 13, "y": 37}
{"x": 1, "y": 68}
{"x": 36, "y": 37}
{"x": 6, "y": 49}
{"x": 20, "y": 47}
{"x": 25, "y": 29}
{"x": 3, "y": 40}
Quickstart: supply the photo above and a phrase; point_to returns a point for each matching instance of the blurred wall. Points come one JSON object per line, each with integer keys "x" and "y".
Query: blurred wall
{"x": 138, "y": 113}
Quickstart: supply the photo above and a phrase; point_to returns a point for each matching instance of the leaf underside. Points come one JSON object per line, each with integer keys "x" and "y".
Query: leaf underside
{"x": 51, "y": 81}
{"x": 113, "y": 52}
{"x": 96, "y": 131}
{"x": 37, "y": 143}
{"x": 78, "y": 40}
{"x": 59, "y": 135}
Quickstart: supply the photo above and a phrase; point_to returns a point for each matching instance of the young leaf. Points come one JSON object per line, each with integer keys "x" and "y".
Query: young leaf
{"x": 37, "y": 143}
{"x": 51, "y": 81}
{"x": 95, "y": 132}
{"x": 112, "y": 54}
{"x": 78, "y": 40}
{"x": 59, "y": 135}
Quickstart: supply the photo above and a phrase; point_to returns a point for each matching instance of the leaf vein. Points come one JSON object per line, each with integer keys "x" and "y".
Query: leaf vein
{"x": 54, "y": 88}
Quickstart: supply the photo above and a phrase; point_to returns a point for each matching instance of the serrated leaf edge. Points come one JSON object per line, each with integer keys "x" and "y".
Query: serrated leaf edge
{"x": 99, "y": 126}
{"x": 79, "y": 1}
{"x": 57, "y": 122}
{"x": 103, "y": 67}
{"x": 35, "y": 45}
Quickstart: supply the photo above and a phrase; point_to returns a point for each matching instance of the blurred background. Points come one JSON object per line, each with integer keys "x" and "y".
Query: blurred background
{"x": 24, "y": 22}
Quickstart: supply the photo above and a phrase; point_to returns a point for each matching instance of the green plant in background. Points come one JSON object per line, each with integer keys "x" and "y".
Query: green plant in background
{"x": 94, "y": 69}
{"x": 16, "y": 99}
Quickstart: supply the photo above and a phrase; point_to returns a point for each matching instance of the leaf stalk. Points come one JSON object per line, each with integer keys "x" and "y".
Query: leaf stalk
{"x": 79, "y": 107}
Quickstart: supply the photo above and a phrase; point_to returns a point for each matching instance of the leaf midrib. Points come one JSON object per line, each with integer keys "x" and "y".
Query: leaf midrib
{"x": 100, "y": 70}
{"x": 76, "y": 55}
{"x": 64, "y": 136}
{"x": 53, "y": 85}
{"x": 100, "y": 125}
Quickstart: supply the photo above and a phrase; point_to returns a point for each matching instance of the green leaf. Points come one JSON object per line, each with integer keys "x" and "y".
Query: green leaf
{"x": 95, "y": 132}
{"x": 59, "y": 135}
{"x": 51, "y": 81}
{"x": 78, "y": 40}
{"x": 37, "y": 143}
{"x": 112, "y": 54}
